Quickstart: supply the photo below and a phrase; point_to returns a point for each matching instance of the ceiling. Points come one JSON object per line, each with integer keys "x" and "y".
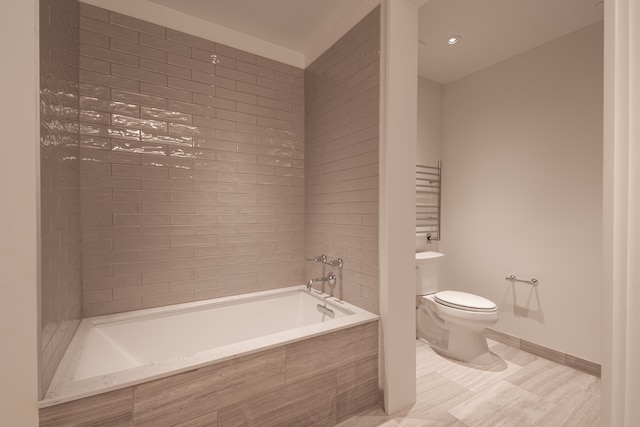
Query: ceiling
{"x": 293, "y": 24}
{"x": 491, "y": 30}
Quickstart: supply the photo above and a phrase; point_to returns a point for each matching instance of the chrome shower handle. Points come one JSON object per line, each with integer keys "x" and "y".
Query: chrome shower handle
{"x": 320, "y": 258}
{"x": 335, "y": 263}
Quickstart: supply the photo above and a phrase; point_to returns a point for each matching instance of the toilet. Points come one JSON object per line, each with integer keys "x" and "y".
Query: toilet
{"x": 451, "y": 322}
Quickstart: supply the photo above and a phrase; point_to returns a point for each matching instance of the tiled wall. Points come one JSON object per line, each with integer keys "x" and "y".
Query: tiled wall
{"x": 192, "y": 167}
{"x": 60, "y": 181}
{"x": 342, "y": 126}
{"x": 320, "y": 381}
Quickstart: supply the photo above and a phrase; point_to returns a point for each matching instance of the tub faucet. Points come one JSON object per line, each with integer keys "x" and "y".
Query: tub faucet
{"x": 330, "y": 279}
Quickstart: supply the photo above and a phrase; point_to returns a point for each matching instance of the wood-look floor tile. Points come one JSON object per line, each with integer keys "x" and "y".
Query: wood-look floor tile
{"x": 580, "y": 408}
{"x": 511, "y": 354}
{"x": 476, "y": 378}
{"x": 444, "y": 420}
{"x": 502, "y": 405}
{"x": 552, "y": 381}
{"x": 428, "y": 360}
{"x": 372, "y": 418}
{"x": 519, "y": 389}
{"x": 436, "y": 395}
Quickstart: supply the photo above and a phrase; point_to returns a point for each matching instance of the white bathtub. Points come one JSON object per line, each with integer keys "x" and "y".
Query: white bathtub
{"x": 116, "y": 351}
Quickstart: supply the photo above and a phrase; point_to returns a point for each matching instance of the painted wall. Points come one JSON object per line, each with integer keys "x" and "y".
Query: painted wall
{"x": 522, "y": 191}
{"x": 429, "y": 142}
{"x": 342, "y": 90}
{"x": 19, "y": 217}
{"x": 59, "y": 181}
{"x": 430, "y": 97}
{"x": 192, "y": 167}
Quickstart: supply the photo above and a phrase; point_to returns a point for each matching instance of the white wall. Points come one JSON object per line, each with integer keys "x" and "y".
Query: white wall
{"x": 429, "y": 146}
{"x": 522, "y": 191}
{"x": 429, "y": 149}
{"x": 19, "y": 184}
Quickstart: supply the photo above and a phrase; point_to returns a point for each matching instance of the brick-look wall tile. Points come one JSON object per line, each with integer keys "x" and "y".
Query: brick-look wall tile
{"x": 192, "y": 171}
{"x": 341, "y": 141}
{"x": 60, "y": 182}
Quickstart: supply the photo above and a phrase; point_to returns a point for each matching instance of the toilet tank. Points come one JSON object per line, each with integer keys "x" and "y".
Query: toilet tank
{"x": 428, "y": 272}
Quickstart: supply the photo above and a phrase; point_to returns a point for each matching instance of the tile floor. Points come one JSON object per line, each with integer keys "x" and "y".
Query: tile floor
{"x": 518, "y": 389}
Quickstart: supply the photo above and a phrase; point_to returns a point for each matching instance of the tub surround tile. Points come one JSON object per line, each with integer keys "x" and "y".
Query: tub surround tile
{"x": 154, "y": 85}
{"x": 138, "y": 50}
{"x": 307, "y": 358}
{"x": 113, "y": 408}
{"x": 294, "y": 404}
{"x": 341, "y": 131}
{"x": 108, "y": 29}
{"x": 357, "y": 387}
{"x": 189, "y": 40}
{"x": 265, "y": 388}
{"x": 137, "y": 25}
{"x": 161, "y": 43}
{"x": 205, "y": 420}
{"x": 116, "y": 306}
{"x": 195, "y": 393}
{"x": 60, "y": 222}
{"x": 159, "y": 115}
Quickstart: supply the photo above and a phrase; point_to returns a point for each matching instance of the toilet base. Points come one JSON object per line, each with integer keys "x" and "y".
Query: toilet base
{"x": 450, "y": 333}
{"x": 464, "y": 345}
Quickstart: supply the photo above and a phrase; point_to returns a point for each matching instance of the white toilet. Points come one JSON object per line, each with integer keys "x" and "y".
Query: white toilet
{"x": 451, "y": 322}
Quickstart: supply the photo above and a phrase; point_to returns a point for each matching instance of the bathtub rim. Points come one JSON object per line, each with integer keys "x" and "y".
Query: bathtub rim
{"x": 64, "y": 389}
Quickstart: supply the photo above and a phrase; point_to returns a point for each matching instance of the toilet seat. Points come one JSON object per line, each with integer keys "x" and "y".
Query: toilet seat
{"x": 464, "y": 301}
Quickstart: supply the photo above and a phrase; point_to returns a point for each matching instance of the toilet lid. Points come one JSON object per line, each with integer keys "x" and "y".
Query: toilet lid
{"x": 464, "y": 301}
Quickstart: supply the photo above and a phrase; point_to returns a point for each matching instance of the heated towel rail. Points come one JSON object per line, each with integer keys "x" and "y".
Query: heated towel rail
{"x": 428, "y": 179}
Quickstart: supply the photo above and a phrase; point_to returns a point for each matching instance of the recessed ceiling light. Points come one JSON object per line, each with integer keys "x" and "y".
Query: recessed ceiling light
{"x": 453, "y": 39}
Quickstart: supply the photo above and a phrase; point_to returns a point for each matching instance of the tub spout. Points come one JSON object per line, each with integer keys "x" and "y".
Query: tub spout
{"x": 330, "y": 279}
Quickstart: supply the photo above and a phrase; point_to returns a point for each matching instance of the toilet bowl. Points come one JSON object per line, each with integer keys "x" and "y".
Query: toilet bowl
{"x": 451, "y": 322}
